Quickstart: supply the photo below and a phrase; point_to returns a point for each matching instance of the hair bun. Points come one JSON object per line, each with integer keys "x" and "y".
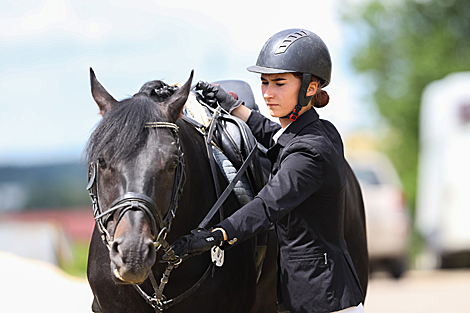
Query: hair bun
{"x": 321, "y": 99}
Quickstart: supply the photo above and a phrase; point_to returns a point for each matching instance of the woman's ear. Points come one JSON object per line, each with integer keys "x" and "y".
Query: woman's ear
{"x": 312, "y": 88}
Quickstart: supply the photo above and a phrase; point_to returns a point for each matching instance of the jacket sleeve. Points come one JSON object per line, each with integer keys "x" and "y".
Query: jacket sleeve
{"x": 299, "y": 176}
{"x": 262, "y": 128}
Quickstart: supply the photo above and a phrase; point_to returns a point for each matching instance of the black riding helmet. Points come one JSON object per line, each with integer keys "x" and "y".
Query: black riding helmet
{"x": 291, "y": 51}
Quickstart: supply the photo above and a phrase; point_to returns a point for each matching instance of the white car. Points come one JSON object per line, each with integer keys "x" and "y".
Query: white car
{"x": 387, "y": 217}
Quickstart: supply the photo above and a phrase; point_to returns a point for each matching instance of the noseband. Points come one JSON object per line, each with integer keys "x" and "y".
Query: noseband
{"x": 160, "y": 226}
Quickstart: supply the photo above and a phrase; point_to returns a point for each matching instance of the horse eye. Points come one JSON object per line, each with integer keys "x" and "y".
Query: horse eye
{"x": 102, "y": 162}
{"x": 173, "y": 165}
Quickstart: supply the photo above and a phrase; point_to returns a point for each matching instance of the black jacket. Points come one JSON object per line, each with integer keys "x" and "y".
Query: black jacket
{"x": 304, "y": 199}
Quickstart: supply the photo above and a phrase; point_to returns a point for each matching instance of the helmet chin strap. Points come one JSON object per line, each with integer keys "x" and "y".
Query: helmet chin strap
{"x": 303, "y": 99}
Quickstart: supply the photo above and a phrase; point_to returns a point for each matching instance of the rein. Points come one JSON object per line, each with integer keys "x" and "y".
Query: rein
{"x": 161, "y": 225}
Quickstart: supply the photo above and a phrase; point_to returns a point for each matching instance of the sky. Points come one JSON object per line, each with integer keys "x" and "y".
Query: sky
{"x": 47, "y": 47}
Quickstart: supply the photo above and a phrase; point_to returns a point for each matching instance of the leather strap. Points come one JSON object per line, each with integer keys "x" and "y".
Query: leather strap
{"x": 303, "y": 100}
{"x": 227, "y": 190}
{"x": 210, "y": 155}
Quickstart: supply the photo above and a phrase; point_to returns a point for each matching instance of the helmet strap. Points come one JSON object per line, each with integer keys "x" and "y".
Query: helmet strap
{"x": 303, "y": 99}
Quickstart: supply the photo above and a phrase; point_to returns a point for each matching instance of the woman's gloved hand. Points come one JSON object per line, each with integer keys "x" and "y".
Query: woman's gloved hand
{"x": 199, "y": 241}
{"x": 214, "y": 93}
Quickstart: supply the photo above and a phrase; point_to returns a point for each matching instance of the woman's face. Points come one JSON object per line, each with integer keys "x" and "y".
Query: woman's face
{"x": 280, "y": 92}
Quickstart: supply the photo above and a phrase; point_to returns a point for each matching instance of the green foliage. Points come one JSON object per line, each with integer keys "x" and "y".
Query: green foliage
{"x": 80, "y": 260}
{"x": 404, "y": 45}
{"x": 48, "y": 186}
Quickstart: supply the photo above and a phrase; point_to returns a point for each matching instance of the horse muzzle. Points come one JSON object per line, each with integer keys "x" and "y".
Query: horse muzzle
{"x": 128, "y": 277}
{"x": 132, "y": 259}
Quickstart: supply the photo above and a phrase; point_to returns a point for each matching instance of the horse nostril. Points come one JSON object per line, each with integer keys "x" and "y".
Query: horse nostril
{"x": 115, "y": 253}
{"x": 152, "y": 254}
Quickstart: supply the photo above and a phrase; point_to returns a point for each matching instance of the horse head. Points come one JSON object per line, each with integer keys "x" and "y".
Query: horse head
{"x": 135, "y": 163}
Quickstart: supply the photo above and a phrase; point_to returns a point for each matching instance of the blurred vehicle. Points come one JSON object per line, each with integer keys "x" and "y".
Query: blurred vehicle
{"x": 387, "y": 218}
{"x": 443, "y": 194}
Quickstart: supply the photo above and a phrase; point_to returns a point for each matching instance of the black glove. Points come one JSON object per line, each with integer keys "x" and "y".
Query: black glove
{"x": 199, "y": 241}
{"x": 213, "y": 94}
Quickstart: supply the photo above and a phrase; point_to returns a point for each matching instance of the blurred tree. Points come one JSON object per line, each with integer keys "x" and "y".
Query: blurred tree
{"x": 402, "y": 45}
{"x": 44, "y": 186}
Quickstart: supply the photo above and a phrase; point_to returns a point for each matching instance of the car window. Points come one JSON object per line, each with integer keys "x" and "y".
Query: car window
{"x": 367, "y": 176}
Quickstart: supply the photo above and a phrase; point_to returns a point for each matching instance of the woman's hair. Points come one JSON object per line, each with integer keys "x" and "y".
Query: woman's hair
{"x": 321, "y": 97}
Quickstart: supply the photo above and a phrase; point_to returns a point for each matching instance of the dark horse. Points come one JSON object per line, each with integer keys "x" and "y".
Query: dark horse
{"x": 141, "y": 157}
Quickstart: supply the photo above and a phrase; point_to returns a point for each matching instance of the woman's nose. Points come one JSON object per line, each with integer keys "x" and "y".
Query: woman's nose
{"x": 267, "y": 92}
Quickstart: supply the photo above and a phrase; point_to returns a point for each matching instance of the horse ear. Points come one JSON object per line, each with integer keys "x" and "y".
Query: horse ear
{"x": 174, "y": 105}
{"x": 104, "y": 100}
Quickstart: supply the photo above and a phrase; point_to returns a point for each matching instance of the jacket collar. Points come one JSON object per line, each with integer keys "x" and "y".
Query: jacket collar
{"x": 295, "y": 127}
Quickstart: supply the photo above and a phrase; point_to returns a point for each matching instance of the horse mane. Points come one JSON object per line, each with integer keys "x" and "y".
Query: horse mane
{"x": 121, "y": 134}
{"x": 158, "y": 90}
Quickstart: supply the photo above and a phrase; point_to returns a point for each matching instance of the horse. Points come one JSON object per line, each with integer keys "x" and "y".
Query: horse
{"x": 150, "y": 182}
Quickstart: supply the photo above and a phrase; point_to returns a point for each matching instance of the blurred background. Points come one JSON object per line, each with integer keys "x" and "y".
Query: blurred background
{"x": 399, "y": 95}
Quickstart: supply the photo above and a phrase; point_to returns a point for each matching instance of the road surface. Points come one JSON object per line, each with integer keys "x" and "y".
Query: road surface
{"x": 420, "y": 292}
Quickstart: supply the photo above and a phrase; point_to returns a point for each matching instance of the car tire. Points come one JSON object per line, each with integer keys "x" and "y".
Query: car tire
{"x": 397, "y": 267}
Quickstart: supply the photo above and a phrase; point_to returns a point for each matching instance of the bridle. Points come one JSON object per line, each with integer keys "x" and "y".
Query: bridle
{"x": 160, "y": 226}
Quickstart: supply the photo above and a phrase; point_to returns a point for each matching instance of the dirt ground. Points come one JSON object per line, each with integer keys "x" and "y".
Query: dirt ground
{"x": 34, "y": 286}
{"x": 420, "y": 292}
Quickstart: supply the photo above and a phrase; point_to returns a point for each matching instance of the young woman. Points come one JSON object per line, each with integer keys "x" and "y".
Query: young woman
{"x": 304, "y": 197}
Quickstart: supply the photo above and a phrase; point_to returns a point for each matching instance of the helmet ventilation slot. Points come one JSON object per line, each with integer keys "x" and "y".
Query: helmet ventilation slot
{"x": 289, "y": 40}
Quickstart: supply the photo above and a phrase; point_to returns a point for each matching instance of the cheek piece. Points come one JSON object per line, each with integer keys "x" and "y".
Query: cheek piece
{"x": 303, "y": 99}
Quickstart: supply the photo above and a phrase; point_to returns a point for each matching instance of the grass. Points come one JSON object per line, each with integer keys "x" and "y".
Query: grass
{"x": 77, "y": 267}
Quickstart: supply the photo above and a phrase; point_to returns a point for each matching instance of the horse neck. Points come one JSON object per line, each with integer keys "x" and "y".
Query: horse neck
{"x": 198, "y": 191}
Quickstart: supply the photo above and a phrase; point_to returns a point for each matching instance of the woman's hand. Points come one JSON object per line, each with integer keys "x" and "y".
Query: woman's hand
{"x": 214, "y": 93}
{"x": 199, "y": 241}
